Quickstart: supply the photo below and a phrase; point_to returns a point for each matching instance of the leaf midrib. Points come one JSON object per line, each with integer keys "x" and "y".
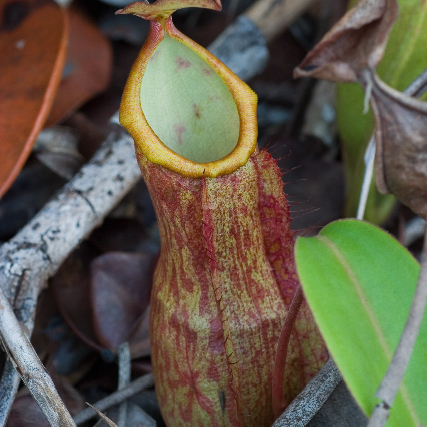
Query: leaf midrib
{"x": 359, "y": 290}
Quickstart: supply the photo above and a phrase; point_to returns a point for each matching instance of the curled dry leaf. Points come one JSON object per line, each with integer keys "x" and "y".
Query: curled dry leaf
{"x": 404, "y": 59}
{"x": 401, "y": 135}
{"x": 33, "y": 38}
{"x": 349, "y": 52}
{"x": 357, "y": 41}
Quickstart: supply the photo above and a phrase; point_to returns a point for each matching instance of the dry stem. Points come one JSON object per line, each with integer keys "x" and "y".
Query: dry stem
{"x": 117, "y": 397}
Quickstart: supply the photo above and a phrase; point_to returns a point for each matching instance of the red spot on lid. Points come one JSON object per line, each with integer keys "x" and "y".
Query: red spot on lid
{"x": 181, "y": 63}
{"x": 179, "y": 130}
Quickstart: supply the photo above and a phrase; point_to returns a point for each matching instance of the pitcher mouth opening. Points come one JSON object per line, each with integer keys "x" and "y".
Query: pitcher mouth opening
{"x": 186, "y": 110}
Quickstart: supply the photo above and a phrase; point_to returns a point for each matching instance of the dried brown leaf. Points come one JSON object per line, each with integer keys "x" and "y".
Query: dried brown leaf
{"x": 120, "y": 293}
{"x": 87, "y": 69}
{"x": 139, "y": 339}
{"x": 350, "y": 52}
{"x": 105, "y": 299}
{"x": 401, "y": 154}
{"x": 33, "y": 41}
{"x": 357, "y": 41}
{"x": 71, "y": 286}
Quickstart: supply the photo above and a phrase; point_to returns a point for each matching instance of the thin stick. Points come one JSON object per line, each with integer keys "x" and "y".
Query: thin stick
{"x": 30, "y": 368}
{"x": 414, "y": 230}
{"x": 115, "y": 398}
{"x": 278, "y": 398}
{"x": 124, "y": 379}
{"x": 418, "y": 86}
{"x": 273, "y": 16}
{"x": 367, "y": 178}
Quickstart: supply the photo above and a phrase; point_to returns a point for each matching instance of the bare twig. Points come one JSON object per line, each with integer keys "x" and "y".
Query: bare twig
{"x": 418, "y": 86}
{"x": 119, "y": 396}
{"x": 243, "y": 45}
{"x": 31, "y": 370}
{"x": 127, "y": 414}
{"x": 273, "y": 16}
{"x": 367, "y": 178}
{"x": 312, "y": 398}
{"x": 124, "y": 379}
{"x": 396, "y": 370}
{"x": 242, "y": 48}
{"x": 414, "y": 230}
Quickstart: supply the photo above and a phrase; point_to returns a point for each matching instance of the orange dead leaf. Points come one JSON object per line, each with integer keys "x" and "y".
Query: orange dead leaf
{"x": 89, "y": 61}
{"x": 33, "y": 39}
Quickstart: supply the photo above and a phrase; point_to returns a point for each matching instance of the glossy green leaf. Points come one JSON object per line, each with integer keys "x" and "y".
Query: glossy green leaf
{"x": 187, "y": 104}
{"x": 404, "y": 59}
{"x": 359, "y": 283}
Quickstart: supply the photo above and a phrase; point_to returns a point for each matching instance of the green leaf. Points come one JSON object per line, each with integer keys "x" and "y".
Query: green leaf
{"x": 187, "y": 104}
{"x": 404, "y": 59}
{"x": 359, "y": 283}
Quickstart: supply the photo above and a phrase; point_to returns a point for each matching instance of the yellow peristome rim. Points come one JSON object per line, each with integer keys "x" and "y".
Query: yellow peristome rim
{"x": 133, "y": 119}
